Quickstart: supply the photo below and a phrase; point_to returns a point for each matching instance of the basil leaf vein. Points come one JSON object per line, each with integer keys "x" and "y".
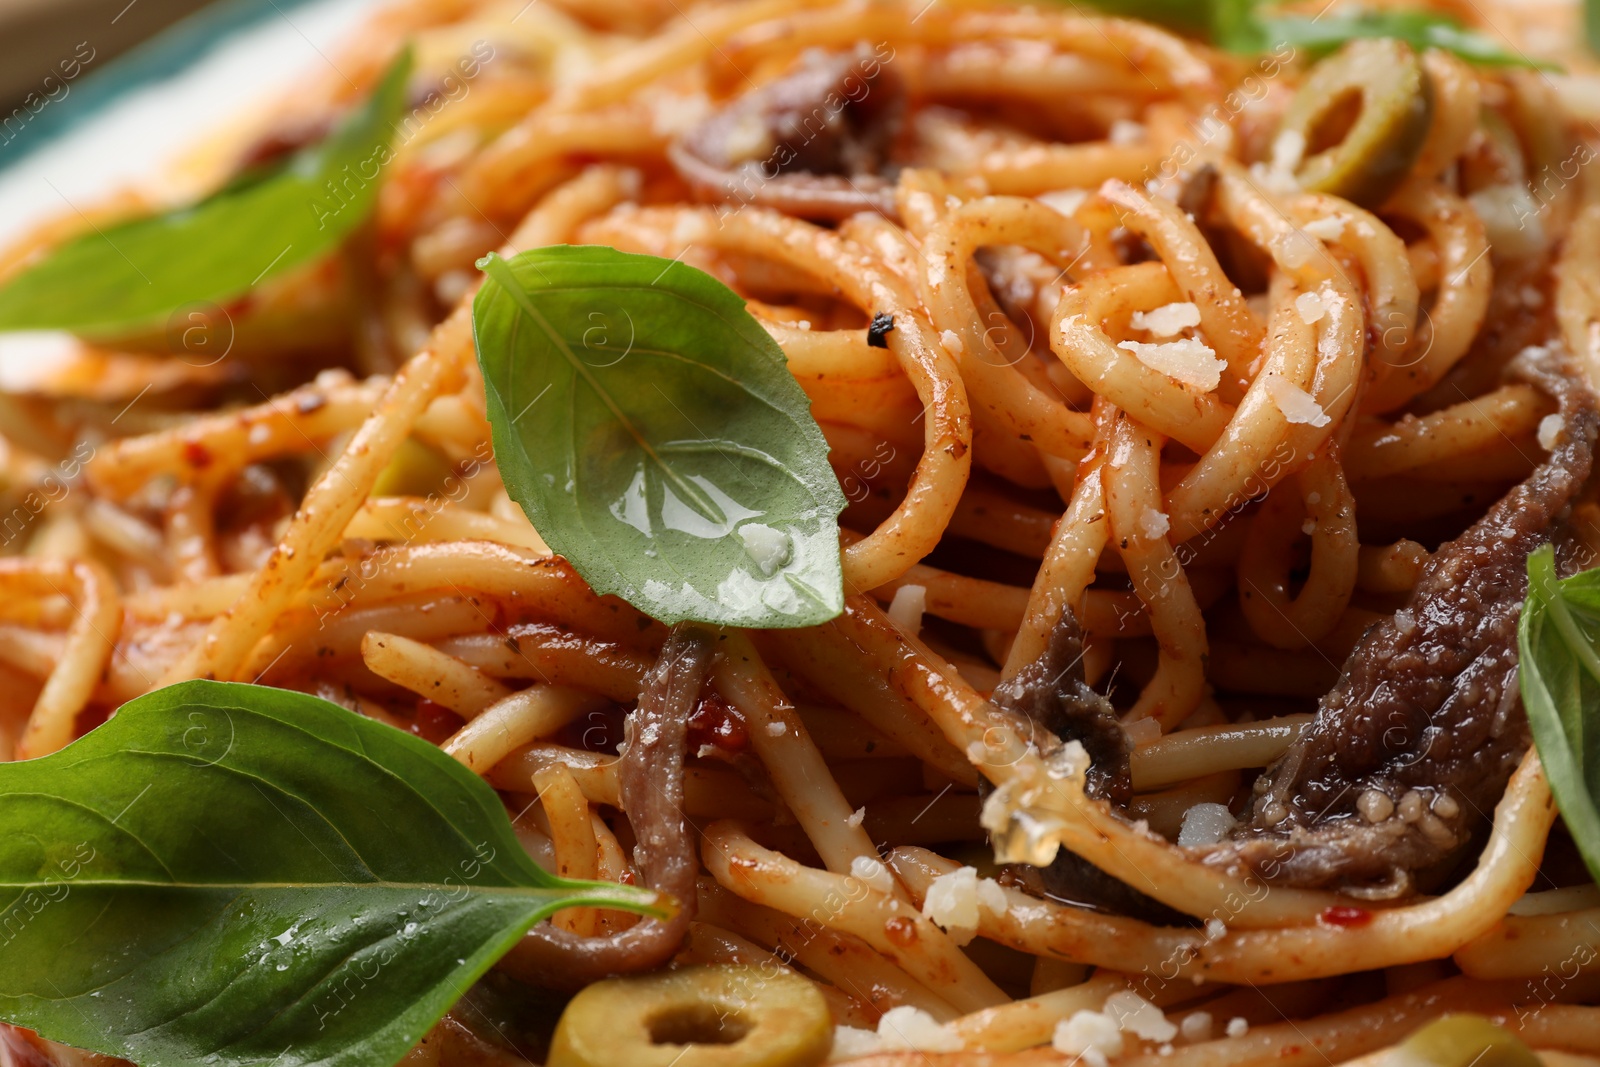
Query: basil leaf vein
{"x": 131, "y": 276}
{"x": 230, "y": 874}
{"x": 1559, "y": 667}
{"x": 649, "y": 428}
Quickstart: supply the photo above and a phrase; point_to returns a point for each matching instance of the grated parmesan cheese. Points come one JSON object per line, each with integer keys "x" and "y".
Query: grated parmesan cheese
{"x": 776, "y": 729}
{"x": 1297, "y": 405}
{"x": 906, "y": 609}
{"x": 873, "y": 873}
{"x": 1189, "y": 361}
{"x": 1288, "y": 150}
{"x": 1310, "y": 307}
{"x": 1205, "y": 824}
{"x": 1327, "y": 228}
{"x": 1237, "y": 1026}
{"x": 1154, "y": 524}
{"x": 1139, "y": 1017}
{"x": 748, "y": 139}
{"x": 1065, "y": 201}
{"x": 953, "y": 901}
{"x": 1196, "y": 1026}
{"x": 1215, "y": 929}
{"x": 952, "y": 342}
{"x": 912, "y": 1028}
{"x": 1089, "y": 1035}
{"x": 1169, "y": 320}
{"x": 1550, "y": 428}
{"x": 1124, "y": 133}
{"x": 857, "y": 817}
{"x": 852, "y": 1042}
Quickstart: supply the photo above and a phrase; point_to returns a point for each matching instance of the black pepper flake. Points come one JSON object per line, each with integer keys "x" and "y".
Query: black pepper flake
{"x": 878, "y": 332}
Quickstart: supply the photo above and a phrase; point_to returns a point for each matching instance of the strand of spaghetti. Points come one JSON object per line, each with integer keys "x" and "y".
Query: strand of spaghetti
{"x": 784, "y": 747}
{"x": 1460, "y": 302}
{"x": 1528, "y": 946}
{"x": 191, "y": 533}
{"x": 1577, "y": 288}
{"x": 1426, "y": 930}
{"x": 430, "y": 673}
{"x": 1165, "y": 61}
{"x": 831, "y": 354}
{"x": 845, "y": 960}
{"x": 992, "y": 379}
{"x": 218, "y": 446}
{"x": 1194, "y": 752}
{"x": 514, "y": 721}
{"x": 1258, "y": 449}
{"x": 710, "y": 792}
{"x": 419, "y": 519}
{"x": 917, "y": 523}
{"x": 328, "y": 507}
{"x": 1035, "y": 806}
{"x": 830, "y": 661}
{"x": 547, "y": 132}
{"x": 1078, "y": 339}
{"x": 90, "y": 642}
{"x": 892, "y": 927}
{"x": 1390, "y": 285}
{"x": 1324, "y": 500}
{"x": 1457, "y": 111}
{"x": 555, "y": 655}
{"x": 1233, "y": 330}
{"x": 1474, "y": 425}
{"x": 546, "y": 585}
{"x": 1138, "y": 528}
{"x": 556, "y": 218}
{"x": 1069, "y": 563}
{"x": 572, "y": 836}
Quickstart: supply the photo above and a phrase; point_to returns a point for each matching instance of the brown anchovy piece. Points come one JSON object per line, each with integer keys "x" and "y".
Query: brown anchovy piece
{"x": 1410, "y": 751}
{"x": 1051, "y": 693}
{"x": 650, "y": 784}
{"x": 812, "y": 144}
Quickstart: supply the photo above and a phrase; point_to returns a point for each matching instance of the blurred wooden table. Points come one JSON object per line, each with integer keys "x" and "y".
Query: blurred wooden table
{"x": 37, "y": 37}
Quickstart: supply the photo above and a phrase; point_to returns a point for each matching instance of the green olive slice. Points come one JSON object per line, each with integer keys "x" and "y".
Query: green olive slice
{"x": 1465, "y": 1041}
{"x": 723, "y": 1016}
{"x": 1380, "y": 81}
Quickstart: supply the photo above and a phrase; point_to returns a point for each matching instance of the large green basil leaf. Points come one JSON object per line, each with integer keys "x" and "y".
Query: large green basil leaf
{"x": 1558, "y": 642}
{"x": 228, "y": 874}
{"x": 131, "y": 276}
{"x": 650, "y": 429}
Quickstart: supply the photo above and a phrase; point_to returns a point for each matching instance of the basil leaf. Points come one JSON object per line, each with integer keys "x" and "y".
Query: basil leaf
{"x": 1246, "y": 27}
{"x": 1591, "y": 24}
{"x": 1558, "y": 645}
{"x": 650, "y": 429}
{"x": 228, "y": 874}
{"x": 132, "y": 275}
{"x": 1417, "y": 28}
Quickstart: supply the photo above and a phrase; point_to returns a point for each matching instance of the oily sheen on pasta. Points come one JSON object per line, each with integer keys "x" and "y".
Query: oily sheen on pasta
{"x": 1197, "y": 415}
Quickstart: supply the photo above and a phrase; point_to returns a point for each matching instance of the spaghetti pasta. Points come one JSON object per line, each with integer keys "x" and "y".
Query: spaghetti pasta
{"x": 1096, "y": 373}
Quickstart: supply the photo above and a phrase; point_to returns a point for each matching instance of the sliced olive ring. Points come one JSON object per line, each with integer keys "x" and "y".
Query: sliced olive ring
{"x": 1465, "y": 1041}
{"x": 723, "y": 1016}
{"x": 1382, "y": 142}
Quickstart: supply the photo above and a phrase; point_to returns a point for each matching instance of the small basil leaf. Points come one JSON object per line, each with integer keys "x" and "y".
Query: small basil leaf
{"x": 228, "y": 874}
{"x": 1420, "y": 29}
{"x": 648, "y": 426}
{"x": 1591, "y": 24}
{"x": 1558, "y": 643}
{"x": 132, "y": 275}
